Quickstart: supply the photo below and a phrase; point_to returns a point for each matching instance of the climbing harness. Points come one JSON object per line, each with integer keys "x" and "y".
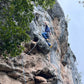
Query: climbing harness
{"x": 23, "y": 61}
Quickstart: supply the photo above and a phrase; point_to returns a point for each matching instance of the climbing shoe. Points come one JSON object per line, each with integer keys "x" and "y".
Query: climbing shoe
{"x": 51, "y": 46}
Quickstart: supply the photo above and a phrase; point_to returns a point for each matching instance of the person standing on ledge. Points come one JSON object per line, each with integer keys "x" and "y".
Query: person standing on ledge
{"x": 47, "y": 34}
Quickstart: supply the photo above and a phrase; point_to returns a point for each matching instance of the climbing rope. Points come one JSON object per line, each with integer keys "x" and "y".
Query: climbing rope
{"x": 23, "y": 61}
{"x": 23, "y": 69}
{"x": 33, "y": 47}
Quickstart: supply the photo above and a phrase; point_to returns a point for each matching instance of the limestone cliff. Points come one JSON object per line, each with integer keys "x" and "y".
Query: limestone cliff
{"x": 43, "y": 65}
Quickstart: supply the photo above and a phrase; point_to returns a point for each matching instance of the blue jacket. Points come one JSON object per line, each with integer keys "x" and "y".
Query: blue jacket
{"x": 47, "y": 29}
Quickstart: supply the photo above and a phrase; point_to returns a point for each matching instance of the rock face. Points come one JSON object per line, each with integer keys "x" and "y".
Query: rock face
{"x": 43, "y": 65}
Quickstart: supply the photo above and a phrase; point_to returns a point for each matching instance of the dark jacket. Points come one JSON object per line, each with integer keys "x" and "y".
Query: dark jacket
{"x": 47, "y": 29}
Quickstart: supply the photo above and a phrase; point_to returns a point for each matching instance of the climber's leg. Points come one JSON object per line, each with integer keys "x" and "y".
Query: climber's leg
{"x": 49, "y": 44}
{"x": 46, "y": 37}
{"x": 44, "y": 34}
{"x": 33, "y": 42}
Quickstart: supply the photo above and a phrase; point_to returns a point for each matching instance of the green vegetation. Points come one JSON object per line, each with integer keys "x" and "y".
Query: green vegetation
{"x": 67, "y": 18}
{"x": 15, "y": 16}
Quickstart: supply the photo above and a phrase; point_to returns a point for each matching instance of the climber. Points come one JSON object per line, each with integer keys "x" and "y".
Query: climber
{"x": 47, "y": 33}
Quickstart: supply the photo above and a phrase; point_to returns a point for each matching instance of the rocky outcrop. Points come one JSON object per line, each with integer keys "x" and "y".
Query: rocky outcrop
{"x": 56, "y": 11}
{"x": 39, "y": 64}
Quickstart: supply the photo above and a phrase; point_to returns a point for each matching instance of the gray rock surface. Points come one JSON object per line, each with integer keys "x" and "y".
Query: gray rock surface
{"x": 36, "y": 28}
{"x": 5, "y": 67}
{"x": 56, "y": 11}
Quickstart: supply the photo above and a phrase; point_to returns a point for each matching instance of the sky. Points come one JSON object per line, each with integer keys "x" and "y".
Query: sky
{"x": 76, "y": 30}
